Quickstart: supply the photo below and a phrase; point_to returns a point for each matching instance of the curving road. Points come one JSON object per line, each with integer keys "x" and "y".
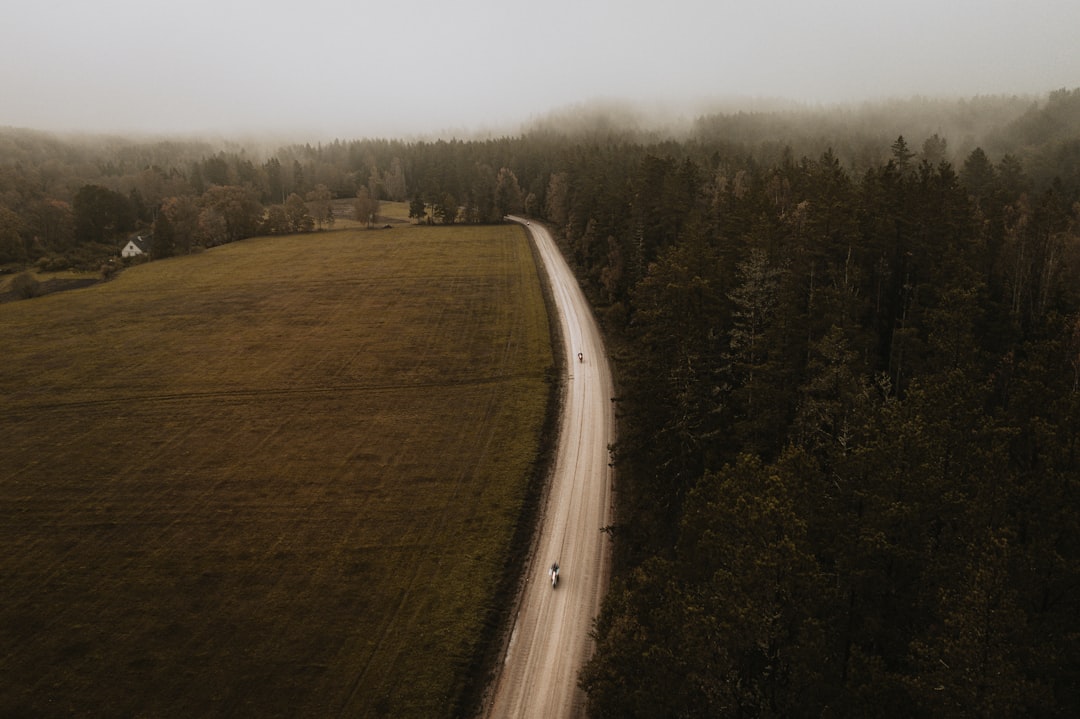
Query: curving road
{"x": 550, "y": 642}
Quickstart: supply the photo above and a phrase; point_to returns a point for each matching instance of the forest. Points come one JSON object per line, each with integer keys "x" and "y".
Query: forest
{"x": 847, "y": 348}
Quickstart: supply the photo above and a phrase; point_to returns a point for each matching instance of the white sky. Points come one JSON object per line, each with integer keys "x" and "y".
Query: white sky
{"x": 342, "y": 68}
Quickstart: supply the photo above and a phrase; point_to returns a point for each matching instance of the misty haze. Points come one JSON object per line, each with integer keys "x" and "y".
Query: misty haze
{"x": 349, "y": 70}
{"x": 571, "y": 359}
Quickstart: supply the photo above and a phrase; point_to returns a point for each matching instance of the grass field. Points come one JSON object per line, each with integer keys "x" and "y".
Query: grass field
{"x": 389, "y": 212}
{"x": 278, "y": 478}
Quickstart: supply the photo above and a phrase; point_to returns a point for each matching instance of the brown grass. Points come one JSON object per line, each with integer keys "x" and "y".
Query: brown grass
{"x": 278, "y": 478}
{"x": 393, "y": 213}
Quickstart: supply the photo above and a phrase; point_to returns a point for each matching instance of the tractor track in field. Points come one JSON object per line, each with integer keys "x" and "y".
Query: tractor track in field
{"x": 265, "y": 393}
{"x": 435, "y": 527}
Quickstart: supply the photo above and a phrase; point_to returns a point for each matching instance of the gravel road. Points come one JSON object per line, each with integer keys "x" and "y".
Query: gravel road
{"x": 550, "y": 641}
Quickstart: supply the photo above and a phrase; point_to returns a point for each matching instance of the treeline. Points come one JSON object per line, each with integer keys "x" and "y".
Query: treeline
{"x": 71, "y": 200}
{"x": 849, "y": 431}
{"x": 848, "y": 375}
{"x": 65, "y": 203}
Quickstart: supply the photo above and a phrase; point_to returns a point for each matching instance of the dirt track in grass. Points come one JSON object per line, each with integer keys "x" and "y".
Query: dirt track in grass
{"x": 267, "y": 480}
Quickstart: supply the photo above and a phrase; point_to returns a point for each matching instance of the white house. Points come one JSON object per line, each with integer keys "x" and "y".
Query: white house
{"x": 137, "y": 245}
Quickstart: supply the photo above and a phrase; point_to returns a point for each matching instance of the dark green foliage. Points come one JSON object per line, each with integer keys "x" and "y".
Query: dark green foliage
{"x": 164, "y": 242}
{"x": 848, "y": 443}
{"x": 101, "y": 214}
{"x": 25, "y": 286}
{"x": 12, "y": 248}
{"x": 417, "y": 208}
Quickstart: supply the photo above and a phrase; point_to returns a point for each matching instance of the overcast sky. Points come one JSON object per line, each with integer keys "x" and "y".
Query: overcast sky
{"x": 359, "y": 68}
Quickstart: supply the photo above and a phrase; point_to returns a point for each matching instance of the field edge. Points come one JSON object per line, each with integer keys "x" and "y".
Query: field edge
{"x": 491, "y": 649}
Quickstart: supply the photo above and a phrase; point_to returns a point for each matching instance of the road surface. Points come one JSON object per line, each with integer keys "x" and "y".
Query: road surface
{"x": 549, "y": 642}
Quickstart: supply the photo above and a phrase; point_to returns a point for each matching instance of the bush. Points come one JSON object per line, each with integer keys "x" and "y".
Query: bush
{"x": 53, "y": 263}
{"x": 25, "y": 286}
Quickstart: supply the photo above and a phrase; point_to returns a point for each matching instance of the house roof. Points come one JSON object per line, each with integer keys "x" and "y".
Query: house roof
{"x": 140, "y": 242}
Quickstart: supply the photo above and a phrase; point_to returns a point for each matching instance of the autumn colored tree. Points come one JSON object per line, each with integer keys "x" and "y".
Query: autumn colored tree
{"x": 365, "y": 207}
{"x": 276, "y": 221}
{"x": 320, "y": 204}
{"x": 298, "y": 215}
{"x": 229, "y": 213}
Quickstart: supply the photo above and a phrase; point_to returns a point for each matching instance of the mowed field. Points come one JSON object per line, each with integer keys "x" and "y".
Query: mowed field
{"x": 278, "y": 478}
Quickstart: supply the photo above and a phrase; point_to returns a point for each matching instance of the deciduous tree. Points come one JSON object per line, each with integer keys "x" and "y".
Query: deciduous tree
{"x": 300, "y": 219}
{"x": 229, "y": 213}
{"x": 183, "y": 214}
{"x": 366, "y": 207}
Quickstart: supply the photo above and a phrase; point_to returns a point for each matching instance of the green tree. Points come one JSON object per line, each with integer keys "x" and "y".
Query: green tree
{"x": 163, "y": 242}
{"x": 101, "y": 214}
{"x": 978, "y": 174}
{"x": 1014, "y": 180}
{"x": 752, "y": 594}
{"x": 216, "y": 170}
{"x": 446, "y": 209}
{"x": 555, "y": 208}
{"x": 639, "y": 669}
{"x": 418, "y": 209}
{"x": 902, "y": 156}
{"x": 679, "y": 304}
{"x": 977, "y": 659}
{"x": 55, "y": 224}
{"x": 11, "y": 243}
{"x": 479, "y": 201}
{"x": 299, "y": 183}
{"x": 183, "y": 214}
{"x": 394, "y": 182}
{"x": 934, "y": 150}
{"x": 728, "y": 628}
{"x": 275, "y": 184}
{"x": 755, "y": 360}
{"x": 508, "y": 196}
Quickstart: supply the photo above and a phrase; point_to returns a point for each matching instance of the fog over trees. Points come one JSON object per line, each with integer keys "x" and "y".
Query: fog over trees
{"x": 847, "y": 346}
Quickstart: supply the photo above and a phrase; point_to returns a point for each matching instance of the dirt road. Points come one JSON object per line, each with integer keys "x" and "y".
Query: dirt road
{"x": 550, "y": 641}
